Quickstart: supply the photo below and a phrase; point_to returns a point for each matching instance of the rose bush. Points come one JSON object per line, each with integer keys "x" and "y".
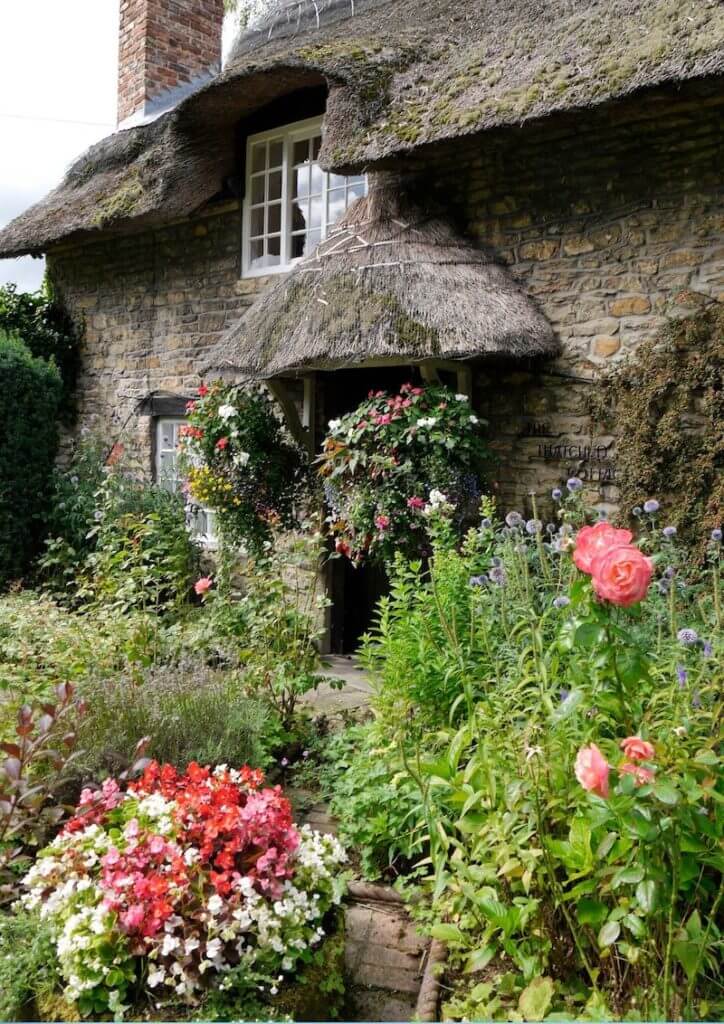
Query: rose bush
{"x": 391, "y": 461}
{"x": 155, "y": 893}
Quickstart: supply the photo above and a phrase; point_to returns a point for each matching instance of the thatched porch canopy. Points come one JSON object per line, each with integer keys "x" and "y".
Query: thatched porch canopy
{"x": 401, "y": 74}
{"x": 391, "y": 283}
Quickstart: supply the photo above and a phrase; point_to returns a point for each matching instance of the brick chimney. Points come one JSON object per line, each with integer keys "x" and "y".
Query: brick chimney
{"x": 166, "y": 48}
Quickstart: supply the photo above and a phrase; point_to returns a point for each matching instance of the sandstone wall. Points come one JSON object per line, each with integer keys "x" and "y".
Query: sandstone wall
{"x": 613, "y": 221}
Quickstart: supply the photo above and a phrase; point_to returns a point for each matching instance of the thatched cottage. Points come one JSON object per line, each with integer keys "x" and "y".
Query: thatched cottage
{"x": 505, "y": 194}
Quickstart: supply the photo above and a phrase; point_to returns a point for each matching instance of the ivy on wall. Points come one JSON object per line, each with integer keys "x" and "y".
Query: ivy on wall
{"x": 666, "y": 406}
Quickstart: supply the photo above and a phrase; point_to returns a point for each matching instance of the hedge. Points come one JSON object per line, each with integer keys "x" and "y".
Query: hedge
{"x": 31, "y": 391}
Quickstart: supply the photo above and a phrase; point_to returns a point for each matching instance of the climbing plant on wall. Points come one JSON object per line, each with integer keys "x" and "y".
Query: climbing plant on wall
{"x": 670, "y": 396}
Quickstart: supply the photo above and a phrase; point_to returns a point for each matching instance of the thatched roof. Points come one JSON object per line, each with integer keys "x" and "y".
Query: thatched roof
{"x": 401, "y": 74}
{"x": 391, "y": 282}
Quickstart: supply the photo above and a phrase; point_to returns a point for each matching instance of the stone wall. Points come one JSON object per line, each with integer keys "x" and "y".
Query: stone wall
{"x": 613, "y": 220}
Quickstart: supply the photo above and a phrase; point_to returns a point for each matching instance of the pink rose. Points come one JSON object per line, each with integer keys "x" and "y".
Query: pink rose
{"x": 637, "y": 749}
{"x": 592, "y": 770}
{"x": 642, "y": 775}
{"x": 202, "y": 585}
{"x": 595, "y": 540}
{"x": 622, "y": 575}
{"x": 382, "y": 522}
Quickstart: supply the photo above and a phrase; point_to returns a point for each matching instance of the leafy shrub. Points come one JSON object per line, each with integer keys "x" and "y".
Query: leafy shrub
{"x": 671, "y": 398}
{"x": 28, "y": 964}
{"x": 565, "y": 753}
{"x": 28, "y": 444}
{"x": 223, "y": 882}
{"x": 189, "y": 712}
{"x": 391, "y": 461}
{"x": 41, "y": 322}
{"x": 241, "y": 463}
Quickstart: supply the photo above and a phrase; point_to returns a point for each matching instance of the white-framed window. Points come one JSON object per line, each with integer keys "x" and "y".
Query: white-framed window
{"x": 290, "y": 202}
{"x": 201, "y": 521}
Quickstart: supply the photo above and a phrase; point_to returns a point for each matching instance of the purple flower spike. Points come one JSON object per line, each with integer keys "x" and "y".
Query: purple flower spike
{"x": 696, "y": 699}
{"x": 651, "y": 506}
{"x": 707, "y": 650}
{"x": 687, "y": 637}
{"x": 574, "y": 484}
{"x": 478, "y": 581}
{"x": 682, "y": 676}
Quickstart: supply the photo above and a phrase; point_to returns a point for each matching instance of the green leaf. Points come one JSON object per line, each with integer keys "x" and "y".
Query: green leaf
{"x": 536, "y": 998}
{"x": 666, "y": 792}
{"x": 479, "y": 958}
{"x": 646, "y": 895}
{"x": 608, "y": 934}
{"x": 447, "y": 933}
{"x": 588, "y": 635}
{"x": 627, "y": 876}
{"x": 591, "y": 911}
{"x": 687, "y": 953}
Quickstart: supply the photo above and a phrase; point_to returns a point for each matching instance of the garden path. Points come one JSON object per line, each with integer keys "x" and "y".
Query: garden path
{"x": 356, "y": 692}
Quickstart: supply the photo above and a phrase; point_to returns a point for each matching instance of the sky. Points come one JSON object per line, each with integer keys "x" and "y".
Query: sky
{"x": 58, "y": 70}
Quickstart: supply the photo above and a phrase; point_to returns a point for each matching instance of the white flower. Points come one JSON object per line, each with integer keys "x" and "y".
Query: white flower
{"x": 473, "y": 419}
{"x": 334, "y": 426}
{"x": 227, "y": 412}
{"x": 437, "y": 498}
{"x": 430, "y": 421}
{"x": 241, "y": 459}
{"x": 156, "y": 978}
{"x": 461, "y": 398}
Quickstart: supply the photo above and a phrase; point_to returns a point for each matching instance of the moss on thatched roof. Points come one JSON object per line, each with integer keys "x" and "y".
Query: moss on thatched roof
{"x": 391, "y": 282}
{"x": 401, "y": 73}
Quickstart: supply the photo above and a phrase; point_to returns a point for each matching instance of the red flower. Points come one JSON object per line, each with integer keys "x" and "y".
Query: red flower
{"x": 222, "y": 443}
{"x": 416, "y": 503}
{"x": 203, "y": 391}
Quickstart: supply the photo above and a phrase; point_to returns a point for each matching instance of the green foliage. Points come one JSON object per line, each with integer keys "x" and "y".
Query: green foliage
{"x": 240, "y": 462}
{"x": 28, "y": 444}
{"x": 41, "y": 322}
{"x": 392, "y": 461}
{"x": 671, "y": 398}
{"x": 568, "y": 902}
{"x": 28, "y": 964}
{"x": 190, "y": 712}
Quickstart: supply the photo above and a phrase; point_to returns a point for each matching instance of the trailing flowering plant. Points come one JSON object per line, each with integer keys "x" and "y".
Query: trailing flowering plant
{"x": 158, "y": 891}
{"x": 239, "y": 462}
{"x": 393, "y": 462}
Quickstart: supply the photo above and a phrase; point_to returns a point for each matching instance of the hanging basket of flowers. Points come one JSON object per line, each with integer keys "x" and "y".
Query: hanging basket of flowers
{"x": 393, "y": 462}
{"x": 240, "y": 462}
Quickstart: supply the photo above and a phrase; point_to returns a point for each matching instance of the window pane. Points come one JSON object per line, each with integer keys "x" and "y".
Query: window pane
{"x": 275, "y": 185}
{"x": 313, "y": 240}
{"x": 337, "y": 205}
{"x": 300, "y": 216}
{"x": 257, "y": 221}
{"x": 256, "y": 253}
{"x": 301, "y": 182}
{"x": 274, "y": 250}
{"x": 276, "y": 153}
{"x": 257, "y": 189}
{"x": 274, "y": 220}
{"x": 315, "y": 213}
{"x": 337, "y": 180}
{"x": 258, "y": 156}
{"x": 317, "y": 179}
{"x": 301, "y": 152}
{"x": 299, "y": 244}
{"x": 316, "y": 146}
{"x": 355, "y": 191}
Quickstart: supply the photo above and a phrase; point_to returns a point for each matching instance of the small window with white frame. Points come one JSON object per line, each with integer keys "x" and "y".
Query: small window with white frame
{"x": 201, "y": 521}
{"x": 290, "y": 202}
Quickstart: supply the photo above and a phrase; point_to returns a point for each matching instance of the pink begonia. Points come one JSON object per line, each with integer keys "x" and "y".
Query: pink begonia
{"x": 202, "y": 585}
{"x": 592, "y": 770}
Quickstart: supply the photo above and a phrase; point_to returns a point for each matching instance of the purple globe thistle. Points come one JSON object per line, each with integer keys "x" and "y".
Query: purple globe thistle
{"x": 637, "y": 510}
{"x": 716, "y": 535}
{"x": 669, "y": 572}
{"x": 565, "y": 694}
{"x": 663, "y": 586}
{"x": 561, "y": 602}
{"x": 602, "y": 514}
{"x": 556, "y": 494}
{"x": 497, "y": 561}
{"x": 651, "y": 506}
{"x": 486, "y": 524}
{"x": 669, "y": 532}
{"x": 514, "y": 520}
{"x": 534, "y": 526}
{"x": 574, "y": 484}
{"x": 688, "y": 637}
{"x": 478, "y": 581}
{"x": 682, "y": 675}
{"x": 498, "y": 575}
{"x": 550, "y": 528}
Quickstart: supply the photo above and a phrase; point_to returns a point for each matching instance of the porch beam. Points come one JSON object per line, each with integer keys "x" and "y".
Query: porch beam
{"x": 280, "y": 392}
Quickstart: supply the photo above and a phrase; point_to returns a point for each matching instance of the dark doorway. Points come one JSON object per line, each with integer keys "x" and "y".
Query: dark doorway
{"x": 355, "y": 592}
